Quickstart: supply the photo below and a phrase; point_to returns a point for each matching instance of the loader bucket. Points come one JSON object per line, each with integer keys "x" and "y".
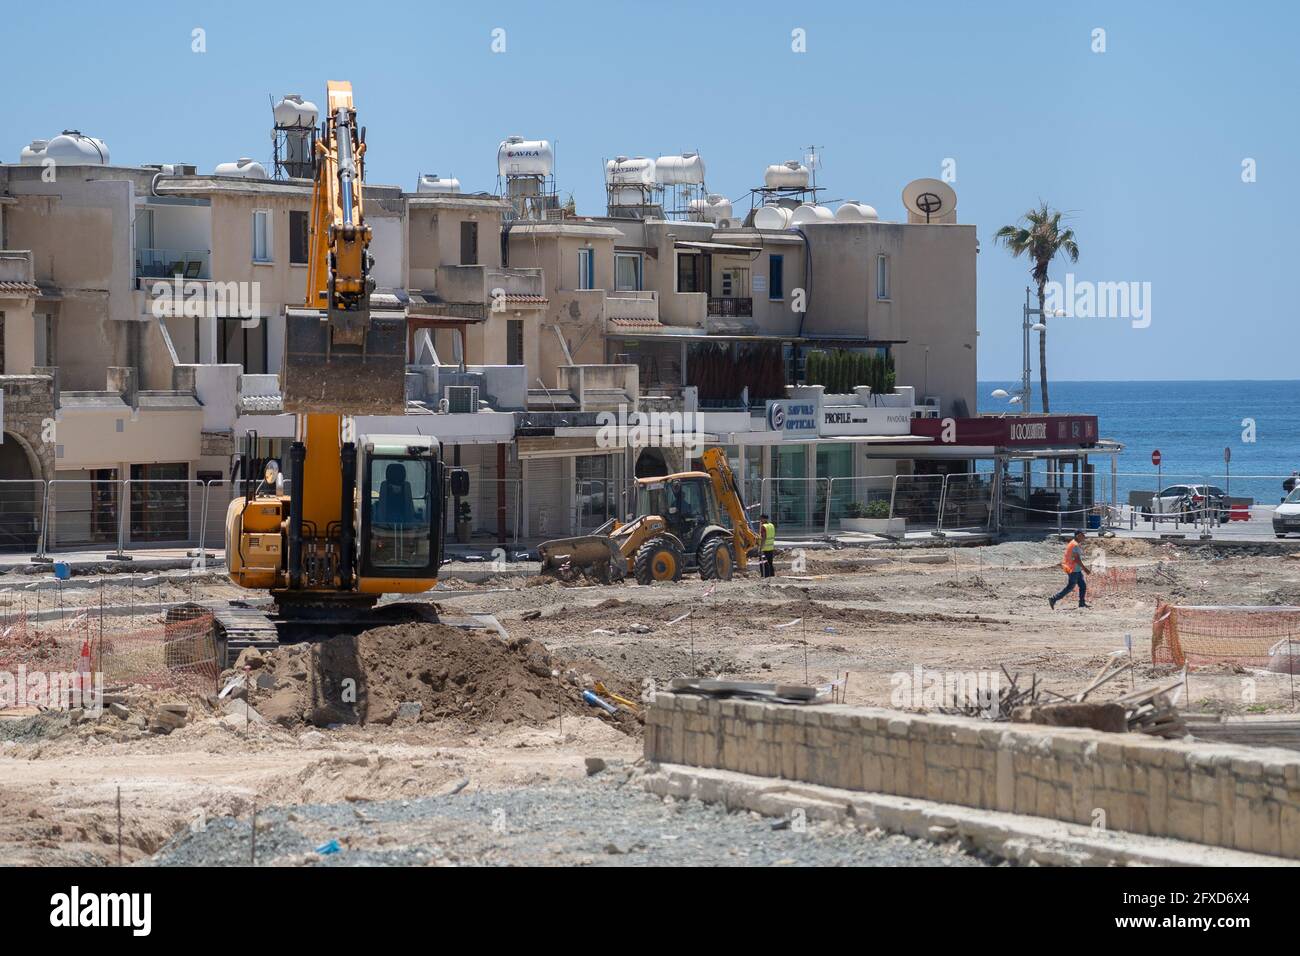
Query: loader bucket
{"x": 596, "y": 556}
{"x": 328, "y": 370}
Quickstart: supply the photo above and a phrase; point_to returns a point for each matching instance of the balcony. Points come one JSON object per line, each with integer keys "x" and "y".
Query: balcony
{"x": 482, "y": 288}
{"x": 168, "y": 263}
{"x": 731, "y": 307}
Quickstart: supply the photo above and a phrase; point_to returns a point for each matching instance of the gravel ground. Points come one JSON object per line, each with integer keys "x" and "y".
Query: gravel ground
{"x": 606, "y": 820}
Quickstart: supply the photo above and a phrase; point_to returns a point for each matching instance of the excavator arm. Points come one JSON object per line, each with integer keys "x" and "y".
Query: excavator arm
{"x": 729, "y": 498}
{"x": 343, "y": 354}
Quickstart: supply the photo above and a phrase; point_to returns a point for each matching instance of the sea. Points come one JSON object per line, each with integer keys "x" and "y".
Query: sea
{"x": 1191, "y": 424}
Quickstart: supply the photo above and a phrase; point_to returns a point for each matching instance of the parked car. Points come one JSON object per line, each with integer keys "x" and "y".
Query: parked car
{"x": 1190, "y": 501}
{"x": 1286, "y": 517}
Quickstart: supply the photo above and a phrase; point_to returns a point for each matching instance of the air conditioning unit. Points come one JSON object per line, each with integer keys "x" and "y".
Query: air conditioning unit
{"x": 461, "y": 399}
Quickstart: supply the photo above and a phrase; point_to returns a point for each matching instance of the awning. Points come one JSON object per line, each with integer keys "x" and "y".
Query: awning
{"x": 722, "y": 248}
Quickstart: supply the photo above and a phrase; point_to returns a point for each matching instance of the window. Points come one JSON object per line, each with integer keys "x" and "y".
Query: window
{"x": 515, "y": 341}
{"x": 241, "y": 344}
{"x": 401, "y": 506}
{"x": 882, "y": 277}
{"x": 469, "y": 243}
{"x": 688, "y": 272}
{"x": 160, "y": 502}
{"x": 627, "y": 272}
{"x": 261, "y": 235}
{"x": 776, "y": 277}
{"x": 299, "y": 226}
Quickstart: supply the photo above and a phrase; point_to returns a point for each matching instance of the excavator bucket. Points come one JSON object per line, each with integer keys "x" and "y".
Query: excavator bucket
{"x": 595, "y": 555}
{"x": 331, "y": 368}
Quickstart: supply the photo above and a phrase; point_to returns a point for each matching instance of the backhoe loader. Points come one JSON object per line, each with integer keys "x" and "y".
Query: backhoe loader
{"x": 678, "y": 528}
{"x": 355, "y": 517}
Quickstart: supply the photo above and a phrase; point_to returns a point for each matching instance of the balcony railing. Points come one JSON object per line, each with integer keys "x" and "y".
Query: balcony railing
{"x": 166, "y": 263}
{"x": 731, "y": 307}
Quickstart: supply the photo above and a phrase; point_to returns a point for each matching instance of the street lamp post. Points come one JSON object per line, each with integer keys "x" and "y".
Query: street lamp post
{"x": 1026, "y": 390}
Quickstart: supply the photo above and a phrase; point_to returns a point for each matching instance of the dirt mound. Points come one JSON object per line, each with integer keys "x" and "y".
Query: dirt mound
{"x": 420, "y": 672}
{"x": 1127, "y": 547}
{"x": 615, "y": 613}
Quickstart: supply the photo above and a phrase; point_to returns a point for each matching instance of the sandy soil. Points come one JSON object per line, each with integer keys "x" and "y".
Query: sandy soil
{"x": 858, "y": 618}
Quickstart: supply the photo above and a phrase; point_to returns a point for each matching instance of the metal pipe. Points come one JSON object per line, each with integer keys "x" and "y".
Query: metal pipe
{"x": 347, "y": 510}
{"x": 297, "y": 457}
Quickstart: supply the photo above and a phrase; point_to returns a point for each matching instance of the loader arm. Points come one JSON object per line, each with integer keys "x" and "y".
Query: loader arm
{"x": 731, "y": 501}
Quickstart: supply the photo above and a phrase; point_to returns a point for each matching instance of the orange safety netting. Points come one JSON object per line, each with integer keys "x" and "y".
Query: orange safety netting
{"x": 1262, "y": 637}
{"x": 150, "y": 651}
{"x": 1112, "y": 583}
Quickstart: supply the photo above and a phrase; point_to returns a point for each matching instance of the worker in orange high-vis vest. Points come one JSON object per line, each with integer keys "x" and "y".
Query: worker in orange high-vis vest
{"x": 768, "y": 531}
{"x": 1074, "y": 568}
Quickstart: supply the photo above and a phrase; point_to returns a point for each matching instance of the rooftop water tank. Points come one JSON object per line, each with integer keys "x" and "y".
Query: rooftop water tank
{"x": 72, "y": 148}
{"x": 625, "y": 171}
{"x": 772, "y": 217}
{"x": 684, "y": 170}
{"x": 856, "y": 212}
{"x": 293, "y": 110}
{"x": 245, "y": 168}
{"x": 33, "y": 154}
{"x": 809, "y": 212}
{"x": 787, "y": 175}
{"x": 517, "y": 156}
{"x": 430, "y": 183}
{"x": 713, "y": 208}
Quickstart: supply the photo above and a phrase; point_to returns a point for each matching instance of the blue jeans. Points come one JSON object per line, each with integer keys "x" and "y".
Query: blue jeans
{"x": 1075, "y": 580}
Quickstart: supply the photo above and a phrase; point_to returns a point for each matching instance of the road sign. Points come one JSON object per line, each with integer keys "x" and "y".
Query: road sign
{"x": 1155, "y": 458}
{"x": 1227, "y": 454}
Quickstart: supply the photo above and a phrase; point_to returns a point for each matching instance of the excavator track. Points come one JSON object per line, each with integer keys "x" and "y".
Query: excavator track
{"x": 238, "y": 626}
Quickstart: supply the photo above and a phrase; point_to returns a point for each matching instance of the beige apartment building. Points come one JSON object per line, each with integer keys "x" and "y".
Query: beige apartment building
{"x": 143, "y": 333}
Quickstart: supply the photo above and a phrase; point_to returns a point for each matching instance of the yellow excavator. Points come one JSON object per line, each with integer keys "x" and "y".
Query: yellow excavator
{"x": 678, "y": 528}
{"x": 353, "y": 518}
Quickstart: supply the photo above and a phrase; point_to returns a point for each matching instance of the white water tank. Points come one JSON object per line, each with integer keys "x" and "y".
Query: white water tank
{"x": 244, "y": 168}
{"x": 517, "y": 156}
{"x": 72, "y": 148}
{"x": 787, "y": 175}
{"x": 713, "y": 208}
{"x": 856, "y": 212}
{"x": 684, "y": 170}
{"x": 436, "y": 184}
{"x": 293, "y": 110}
{"x": 633, "y": 171}
{"x": 34, "y": 153}
{"x": 772, "y": 217}
{"x": 808, "y": 212}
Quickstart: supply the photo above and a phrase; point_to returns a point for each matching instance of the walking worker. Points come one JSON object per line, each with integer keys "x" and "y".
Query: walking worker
{"x": 1074, "y": 568}
{"x": 767, "y": 531}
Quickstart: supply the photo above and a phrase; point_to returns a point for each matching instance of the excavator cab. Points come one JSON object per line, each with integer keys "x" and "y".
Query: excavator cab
{"x": 401, "y": 504}
{"x": 686, "y": 502}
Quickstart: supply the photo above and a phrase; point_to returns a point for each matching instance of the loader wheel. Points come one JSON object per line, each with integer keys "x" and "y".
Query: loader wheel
{"x": 658, "y": 560}
{"x": 716, "y": 559}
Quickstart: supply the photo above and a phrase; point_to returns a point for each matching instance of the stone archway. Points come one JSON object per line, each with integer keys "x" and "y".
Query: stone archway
{"x": 22, "y": 494}
{"x": 651, "y": 463}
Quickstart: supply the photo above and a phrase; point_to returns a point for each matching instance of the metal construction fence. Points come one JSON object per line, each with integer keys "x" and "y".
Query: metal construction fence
{"x": 116, "y": 515}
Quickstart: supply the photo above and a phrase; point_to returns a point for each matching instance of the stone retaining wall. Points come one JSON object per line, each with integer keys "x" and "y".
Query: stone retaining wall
{"x": 1218, "y": 794}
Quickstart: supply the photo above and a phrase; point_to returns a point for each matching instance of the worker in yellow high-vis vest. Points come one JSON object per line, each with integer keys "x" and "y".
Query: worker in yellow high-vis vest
{"x": 768, "y": 536}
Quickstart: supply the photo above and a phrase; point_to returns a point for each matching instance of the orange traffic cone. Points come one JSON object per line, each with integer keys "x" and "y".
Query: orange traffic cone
{"x": 84, "y": 683}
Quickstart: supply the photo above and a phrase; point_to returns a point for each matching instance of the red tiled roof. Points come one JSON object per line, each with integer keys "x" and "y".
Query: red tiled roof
{"x": 638, "y": 322}
{"x": 19, "y": 288}
{"x": 524, "y": 298}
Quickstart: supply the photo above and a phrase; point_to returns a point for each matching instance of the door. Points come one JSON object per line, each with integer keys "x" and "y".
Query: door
{"x": 469, "y": 243}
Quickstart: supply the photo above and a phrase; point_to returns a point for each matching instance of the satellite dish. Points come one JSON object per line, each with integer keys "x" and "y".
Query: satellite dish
{"x": 930, "y": 200}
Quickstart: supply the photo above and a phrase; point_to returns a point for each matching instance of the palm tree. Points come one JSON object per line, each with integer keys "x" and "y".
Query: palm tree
{"x": 1039, "y": 236}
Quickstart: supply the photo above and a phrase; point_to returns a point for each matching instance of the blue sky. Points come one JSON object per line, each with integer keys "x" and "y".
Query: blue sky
{"x": 1141, "y": 145}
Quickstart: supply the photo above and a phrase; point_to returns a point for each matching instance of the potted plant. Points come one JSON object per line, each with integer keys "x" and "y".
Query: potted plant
{"x": 871, "y": 517}
{"x": 464, "y": 521}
